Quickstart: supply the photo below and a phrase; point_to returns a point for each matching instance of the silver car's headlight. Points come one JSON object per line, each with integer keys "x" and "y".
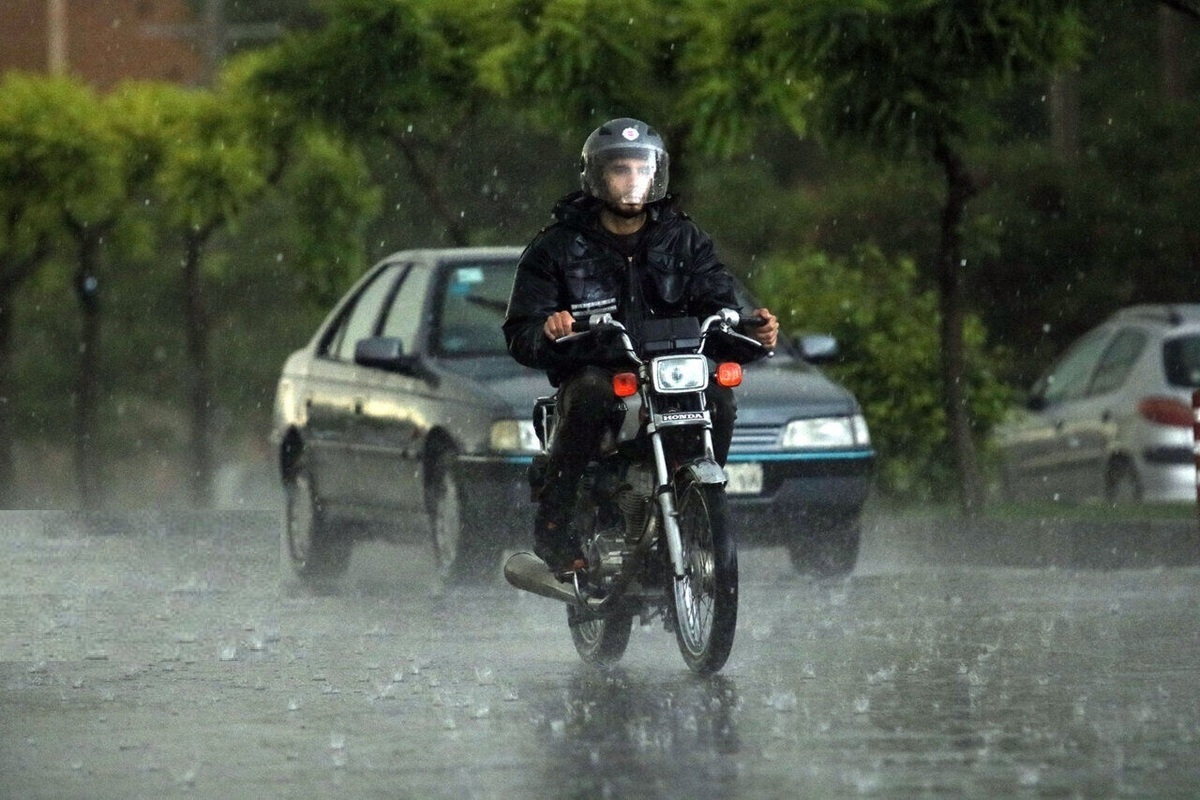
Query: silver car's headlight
{"x": 827, "y": 432}
{"x": 514, "y": 435}
{"x": 680, "y": 373}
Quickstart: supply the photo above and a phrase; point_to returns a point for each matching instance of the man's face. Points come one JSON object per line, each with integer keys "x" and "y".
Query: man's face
{"x": 626, "y": 183}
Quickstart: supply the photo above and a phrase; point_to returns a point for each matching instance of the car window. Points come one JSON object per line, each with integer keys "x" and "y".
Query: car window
{"x": 403, "y": 318}
{"x": 358, "y": 321}
{"x": 471, "y": 303}
{"x": 1069, "y": 377}
{"x": 1117, "y": 361}
{"x": 1181, "y": 361}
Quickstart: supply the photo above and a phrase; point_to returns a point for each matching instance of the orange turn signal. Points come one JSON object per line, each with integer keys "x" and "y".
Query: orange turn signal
{"x": 729, "y": 374}
{"x": 625, "y": 384}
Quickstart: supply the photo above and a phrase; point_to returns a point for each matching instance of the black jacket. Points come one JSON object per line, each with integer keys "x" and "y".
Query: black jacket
{"x": 575, "y": 265}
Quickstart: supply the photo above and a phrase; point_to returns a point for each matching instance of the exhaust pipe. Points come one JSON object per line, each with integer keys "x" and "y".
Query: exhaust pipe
{"x": 529, "y": 573}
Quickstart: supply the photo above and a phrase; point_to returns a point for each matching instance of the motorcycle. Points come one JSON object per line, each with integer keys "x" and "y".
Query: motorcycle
{"x": 651, "y": 513}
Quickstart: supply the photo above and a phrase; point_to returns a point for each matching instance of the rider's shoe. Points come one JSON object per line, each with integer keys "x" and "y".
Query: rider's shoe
{"x": 555, "y": 544}
{"x": 563, "y": 560}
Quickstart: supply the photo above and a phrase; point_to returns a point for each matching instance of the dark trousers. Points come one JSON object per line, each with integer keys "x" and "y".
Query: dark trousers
{"x": 584, "y": 412}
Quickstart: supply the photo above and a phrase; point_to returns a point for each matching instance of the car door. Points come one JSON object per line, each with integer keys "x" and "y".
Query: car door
{"x": 1044, "y": 448}
{"x": 337, "y": 392}
{"x": 1090, "y": 422}
{"x": 395, "y": 420}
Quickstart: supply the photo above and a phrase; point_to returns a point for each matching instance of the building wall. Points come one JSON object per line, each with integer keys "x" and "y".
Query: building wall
{"x": 107, "y": 41}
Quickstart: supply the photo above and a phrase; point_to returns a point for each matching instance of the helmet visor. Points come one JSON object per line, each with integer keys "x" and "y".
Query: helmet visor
{"x": 629, "y": 176}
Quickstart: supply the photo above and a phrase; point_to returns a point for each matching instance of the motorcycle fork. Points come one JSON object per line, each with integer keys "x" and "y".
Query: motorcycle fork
{"x": 666, "y": 497}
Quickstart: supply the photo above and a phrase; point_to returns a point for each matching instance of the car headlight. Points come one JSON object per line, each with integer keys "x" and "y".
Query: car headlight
{"x": 514, "y": 434}
{"x": 680, "y": 373}
{"x": 827, "y": 432}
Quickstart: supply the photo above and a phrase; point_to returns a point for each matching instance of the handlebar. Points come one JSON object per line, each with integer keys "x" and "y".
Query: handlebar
{"x": 725, "y": 320}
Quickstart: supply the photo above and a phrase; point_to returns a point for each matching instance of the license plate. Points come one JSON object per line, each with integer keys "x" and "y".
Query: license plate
{"x": 744, "y": 478}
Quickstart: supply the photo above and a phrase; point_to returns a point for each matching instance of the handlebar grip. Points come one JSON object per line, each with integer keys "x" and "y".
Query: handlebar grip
{"x": 754, "y": 321}
{"x": 581, "y": 325}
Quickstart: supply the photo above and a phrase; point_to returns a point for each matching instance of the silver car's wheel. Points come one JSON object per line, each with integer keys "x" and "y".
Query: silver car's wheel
{"x": 1122, "y": 486}
{"x": 445, "y": 518}
{"x": 311, "y": 545}
{"x": 462, "y": 549}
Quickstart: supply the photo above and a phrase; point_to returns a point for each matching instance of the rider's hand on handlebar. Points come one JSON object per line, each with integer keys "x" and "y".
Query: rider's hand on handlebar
{"x": 558, "y": 325}
{"x": 767, "y": 333}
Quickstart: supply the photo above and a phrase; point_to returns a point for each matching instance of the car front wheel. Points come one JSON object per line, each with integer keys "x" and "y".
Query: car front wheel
{"x": 1121, "y": 485}
{"x": 828, "y": 549}
{"x": 463, "y": 551}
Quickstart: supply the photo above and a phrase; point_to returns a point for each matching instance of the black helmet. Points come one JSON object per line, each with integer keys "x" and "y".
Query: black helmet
{"x": 623, "y": 138}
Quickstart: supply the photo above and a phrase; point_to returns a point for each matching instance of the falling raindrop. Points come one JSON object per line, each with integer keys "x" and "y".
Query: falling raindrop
{"x": 782, "y": 701}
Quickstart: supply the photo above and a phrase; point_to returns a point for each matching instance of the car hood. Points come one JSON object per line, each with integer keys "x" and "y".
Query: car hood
{"x": 507, "y": 383}
{"x": 771, "y": 393}
{"x": 776, "y": 392}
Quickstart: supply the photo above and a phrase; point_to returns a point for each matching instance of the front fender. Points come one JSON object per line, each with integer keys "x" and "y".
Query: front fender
{"x": 702, "y": 471}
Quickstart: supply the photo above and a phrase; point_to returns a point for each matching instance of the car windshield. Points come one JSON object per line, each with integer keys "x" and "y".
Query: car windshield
{"x": 1181, "y": 360}
{"x": 472, "y": 299}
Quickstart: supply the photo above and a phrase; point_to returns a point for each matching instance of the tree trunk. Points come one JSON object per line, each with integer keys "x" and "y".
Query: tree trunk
{"x": 12, "y": 274}
{"x": 428, "y": 183}
{"x": 8, "y": 493}
{"x": 87, "y": 379}
{"x": 199, "y": 457}
{"x": 951, "y": 295}
{"x": 1172, "y": 46}
{"x": 1064, "y": 116}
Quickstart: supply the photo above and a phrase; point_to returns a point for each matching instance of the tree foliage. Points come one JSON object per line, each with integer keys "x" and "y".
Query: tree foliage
{"x": 887, "y": 326}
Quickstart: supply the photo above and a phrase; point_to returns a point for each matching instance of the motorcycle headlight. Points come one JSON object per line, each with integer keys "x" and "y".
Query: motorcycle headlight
{"x": 680, "y": 374}
{"x": 514, "y": 435}
{"x": 827, "y": 432}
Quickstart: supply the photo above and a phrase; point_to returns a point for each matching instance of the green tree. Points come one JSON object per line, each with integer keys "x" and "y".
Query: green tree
{"x": 887, "y": 325}
{"x": 403, "y": 72}
{"x": 50, "y": 172}
{"x": 915, "y": 77}
{"x": 211, "y": 170}
{"x": 91, "y": 217}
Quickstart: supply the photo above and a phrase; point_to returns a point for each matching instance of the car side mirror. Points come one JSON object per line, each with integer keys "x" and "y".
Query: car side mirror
{"x": 386, "y": 352}
{"x": 817, "y": 348}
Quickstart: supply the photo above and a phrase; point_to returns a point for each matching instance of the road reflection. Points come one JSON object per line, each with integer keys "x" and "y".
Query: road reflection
{"x": 611, "y": 734}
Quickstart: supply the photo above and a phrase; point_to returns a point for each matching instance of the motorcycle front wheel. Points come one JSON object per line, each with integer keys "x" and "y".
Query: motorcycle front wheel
{"x": 706, "y": 598}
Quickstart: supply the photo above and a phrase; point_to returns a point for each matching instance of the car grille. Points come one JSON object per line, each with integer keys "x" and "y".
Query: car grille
{"x": 756, "y": 437}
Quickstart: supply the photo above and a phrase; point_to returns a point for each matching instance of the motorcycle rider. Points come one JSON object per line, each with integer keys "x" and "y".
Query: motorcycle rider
{"x": 619, "y": 245}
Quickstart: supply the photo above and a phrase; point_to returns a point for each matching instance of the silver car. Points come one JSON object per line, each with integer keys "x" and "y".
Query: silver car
{"x": 405, "y": 418}
{"x": 1112, "y": 419}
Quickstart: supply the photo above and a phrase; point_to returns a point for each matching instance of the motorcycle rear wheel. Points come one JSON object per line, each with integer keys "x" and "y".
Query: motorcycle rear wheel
{"x": 706, "y": 598}
{"x": 600, "y": 642}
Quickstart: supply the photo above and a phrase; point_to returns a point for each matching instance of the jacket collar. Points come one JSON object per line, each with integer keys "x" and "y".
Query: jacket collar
{"x": 581, "y": 210}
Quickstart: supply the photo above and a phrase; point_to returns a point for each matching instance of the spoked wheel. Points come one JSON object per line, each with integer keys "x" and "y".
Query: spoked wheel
{"x": 311, "y": 545}
{"x": 461, "y": 553}
{"x": 601, "y": 642}
{"x": 705, "y": 609}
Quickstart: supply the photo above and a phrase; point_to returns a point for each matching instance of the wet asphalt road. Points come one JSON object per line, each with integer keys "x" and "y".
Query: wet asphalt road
{"x": 152, "y": 657}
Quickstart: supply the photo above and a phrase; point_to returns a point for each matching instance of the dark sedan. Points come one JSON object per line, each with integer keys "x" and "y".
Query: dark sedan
{"x": 405, "y": 418}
